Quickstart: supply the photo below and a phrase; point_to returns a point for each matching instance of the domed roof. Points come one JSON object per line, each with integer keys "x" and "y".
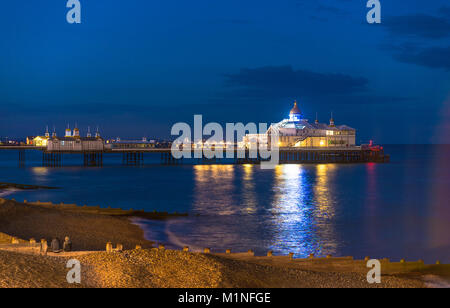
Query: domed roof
{"x": 295, "y": 109}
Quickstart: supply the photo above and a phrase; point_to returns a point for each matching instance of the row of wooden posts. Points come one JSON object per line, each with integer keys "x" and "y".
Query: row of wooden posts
{"x": 119, "y": 247}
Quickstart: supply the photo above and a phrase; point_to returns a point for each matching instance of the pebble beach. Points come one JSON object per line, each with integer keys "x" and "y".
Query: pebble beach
{"x": 147, "y": 266}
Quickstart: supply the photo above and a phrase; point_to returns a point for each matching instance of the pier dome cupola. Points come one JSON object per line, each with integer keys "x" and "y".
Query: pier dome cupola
{"x": 68, "y": 132}
{"x": 76, "y": 131}
{"x": 295, "y": 115}
{"x": 332, "y": 121}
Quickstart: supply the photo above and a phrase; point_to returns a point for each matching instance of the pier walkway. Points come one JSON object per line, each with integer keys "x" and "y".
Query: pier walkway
{"x": 135, "y": 156}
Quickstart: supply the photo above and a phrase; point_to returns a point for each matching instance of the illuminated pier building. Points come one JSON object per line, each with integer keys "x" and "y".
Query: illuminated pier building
{"x": 73, "y": 142}
{"x": 39, "y": 141}
{"x": 298, "y": 132}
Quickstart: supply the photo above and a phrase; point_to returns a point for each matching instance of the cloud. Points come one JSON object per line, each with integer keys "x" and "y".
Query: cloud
{"x": 284, "y": 81}
{"x": 420, "y": 25}
{"x": 432, "y": 57}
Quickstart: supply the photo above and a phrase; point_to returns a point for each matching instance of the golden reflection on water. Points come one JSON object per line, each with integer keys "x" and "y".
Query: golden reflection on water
{"x": 214, "y": 187}
{"x": 249, "y": 194}
{"x": 324, "y": 197}
{"x": 325, "y": 201}
{"x": 40, "y": 171}
{"x": 213, "y": 195}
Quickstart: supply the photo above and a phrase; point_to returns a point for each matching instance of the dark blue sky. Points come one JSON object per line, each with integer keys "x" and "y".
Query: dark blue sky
{"x": 136, "y": 67}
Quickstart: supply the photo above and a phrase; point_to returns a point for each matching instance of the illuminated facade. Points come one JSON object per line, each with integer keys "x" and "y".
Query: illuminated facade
{"x": 74, "y": 143}
{"x": 39, "y": 141}
{"x": 296, "y": 131}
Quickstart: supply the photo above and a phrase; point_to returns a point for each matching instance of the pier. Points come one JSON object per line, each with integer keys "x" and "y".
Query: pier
{"x": 135, "y": 157}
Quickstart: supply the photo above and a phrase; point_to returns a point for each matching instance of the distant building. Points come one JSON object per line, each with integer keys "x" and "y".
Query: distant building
{"x": 298, "y": 132}
{"x": 38, "y": 141}
{"x": 132, "y": 144}
{"x": 75, "y": 143}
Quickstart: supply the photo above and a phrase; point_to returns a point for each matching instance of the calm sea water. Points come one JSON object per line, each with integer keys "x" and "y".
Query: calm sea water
{"x": 396, "y": 210}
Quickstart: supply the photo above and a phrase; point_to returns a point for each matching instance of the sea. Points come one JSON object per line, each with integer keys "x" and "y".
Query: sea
{"x": 393, "y": 210}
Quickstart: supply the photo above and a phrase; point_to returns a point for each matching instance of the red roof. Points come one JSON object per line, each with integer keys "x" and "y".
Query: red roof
{"x": 295, "y": 110}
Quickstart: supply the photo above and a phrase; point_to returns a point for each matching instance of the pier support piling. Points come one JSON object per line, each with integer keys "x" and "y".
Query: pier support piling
{"x": 133, "y": 158}
{"x": 21, "y": 158}
{"x": 51, "y": 159}
{"x": 93, "y": 159}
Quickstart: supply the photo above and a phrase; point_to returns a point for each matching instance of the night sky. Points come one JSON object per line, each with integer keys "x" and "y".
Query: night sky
{"x": 134, "y": 68}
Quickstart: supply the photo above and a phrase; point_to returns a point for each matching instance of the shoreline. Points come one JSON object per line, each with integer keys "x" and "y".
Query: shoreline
{"x": 90, "y": 228}
{"x": 15, "y": 186}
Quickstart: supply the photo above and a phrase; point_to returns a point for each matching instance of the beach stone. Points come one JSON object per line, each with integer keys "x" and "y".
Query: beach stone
{"x": 67, "y": 246}
{"x": 55, "y": 246}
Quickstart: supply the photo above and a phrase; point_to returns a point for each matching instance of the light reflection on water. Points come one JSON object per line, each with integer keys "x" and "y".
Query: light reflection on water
{"x": 297, "y": 217}
{"x": 291, "y": 209}
{"x": 40, "y": 171}
{"x": 396, "y": 210}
